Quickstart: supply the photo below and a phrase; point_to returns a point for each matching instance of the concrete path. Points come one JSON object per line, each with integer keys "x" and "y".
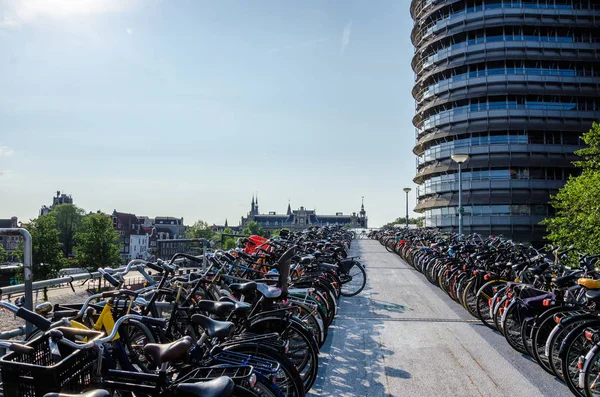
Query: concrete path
{"x": 403, "y": 337}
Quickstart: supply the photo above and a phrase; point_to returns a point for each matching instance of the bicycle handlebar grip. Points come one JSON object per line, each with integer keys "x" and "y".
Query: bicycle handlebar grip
{"x": 155, "y": 267}
{"x": 111, "y": 279}
{"x": 19, "y": 348}
{"x": 34, "y": 318}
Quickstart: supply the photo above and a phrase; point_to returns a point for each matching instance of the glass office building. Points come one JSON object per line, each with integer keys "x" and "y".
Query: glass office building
{"x": 513, "y": 84}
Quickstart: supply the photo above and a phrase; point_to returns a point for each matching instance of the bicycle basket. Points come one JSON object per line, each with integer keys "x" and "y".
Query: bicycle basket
{"x": 35, "y": 374}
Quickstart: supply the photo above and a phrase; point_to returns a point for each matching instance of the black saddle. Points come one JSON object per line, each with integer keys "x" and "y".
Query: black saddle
{"x": 220, "y": 387}
{"x": 537, "y": 270}
{"x": 244, "y": 288}
{"x": 268, "y": 291}
{"x": 165, "y": 352}
{"x": 241, "y": 308}
{"x": 93, "y": 393}
{"x": 220, "y": 309}
{"x": 564, "y": 281}
{"x": 214, "y": 328}
{"x": 593, "y": 295}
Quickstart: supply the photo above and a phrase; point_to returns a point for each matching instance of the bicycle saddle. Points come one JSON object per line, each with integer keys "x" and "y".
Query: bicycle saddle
{"x": 563, "y": 281}
{"x": 589, "y": 283}
{"x": 593, "y": 295}
{"x": 166, "y": 352}
{"x": 220, "y": 309}
{"x": 220, "y": 387}
{"x": 305, "y": 260}
{"x": 214, "y": 328}
{"x": 241, "y": 308}
{"x": 93, "y": 393}
{"x": 243, "y": 288}
{"x": 268, "y": 292}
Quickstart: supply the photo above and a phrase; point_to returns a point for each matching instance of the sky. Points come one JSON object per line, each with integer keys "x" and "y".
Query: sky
{"x": 188, "y": 108}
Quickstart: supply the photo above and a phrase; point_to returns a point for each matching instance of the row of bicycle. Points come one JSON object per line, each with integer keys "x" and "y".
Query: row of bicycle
{"x": 250, "y": 324}
{"x": 544, "y": 308}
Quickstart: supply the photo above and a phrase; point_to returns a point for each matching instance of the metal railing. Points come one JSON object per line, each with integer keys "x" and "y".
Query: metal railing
{"x": 27, "y": 271}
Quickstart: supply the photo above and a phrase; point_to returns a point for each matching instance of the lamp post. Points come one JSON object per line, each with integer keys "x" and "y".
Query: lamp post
{"x": 459, "y": 159}
{"x": 406, "y": 190}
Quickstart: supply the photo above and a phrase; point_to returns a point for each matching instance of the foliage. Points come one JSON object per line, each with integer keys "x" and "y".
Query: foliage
{"x": 577, "y": 219}
{"x": 591, "y": 154}
{"x": 3, "y": 255}
{"x": 200, "y": 229}
{"x": 68, "y": 221}
{"x": 275, "y": 233}
{"x": 253, "y": 228}
{"x": 228, "y": 242}
{"x": 97, "y": 243}
{"x": 402, "y": 221}
{"x": 47, "y": 250}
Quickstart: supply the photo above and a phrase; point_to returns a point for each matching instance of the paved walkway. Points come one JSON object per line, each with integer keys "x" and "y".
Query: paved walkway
{"x": 403, "y": 337}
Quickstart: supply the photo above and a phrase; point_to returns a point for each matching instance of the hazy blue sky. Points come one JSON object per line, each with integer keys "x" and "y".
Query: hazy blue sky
{"x": 185, "y": 108}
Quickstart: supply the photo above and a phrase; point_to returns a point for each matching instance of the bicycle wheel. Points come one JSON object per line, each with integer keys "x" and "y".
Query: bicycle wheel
{"x": 591, "y": 379}
{"x": 484, "y": 298}
{"x": 287, "y": 379}
{"x": 541, "y": 331}
{"x": 512, "y": 321}
{"x": 354, "y": 280}
{"x": 133, "y": 337}
{"x": 554, "y": 342}
{"x": 469, "y": 297}
{"x": 575, "y": 346}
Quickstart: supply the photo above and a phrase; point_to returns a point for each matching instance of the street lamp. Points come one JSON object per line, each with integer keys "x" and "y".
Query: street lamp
{"x": 460, "y": 158}
{"x": 406, "y": 190}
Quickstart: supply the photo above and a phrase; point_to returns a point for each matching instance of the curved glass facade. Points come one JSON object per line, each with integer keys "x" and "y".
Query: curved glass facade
{"x": 512, "y": 83}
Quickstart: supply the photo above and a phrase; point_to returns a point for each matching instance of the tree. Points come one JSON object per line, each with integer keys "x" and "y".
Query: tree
{"x": 228, "y": 242}
{"x": 97, "y": 243}
{"x": 200, "y": 229}
{"x": 3, "y": 255}
{"x": 47, "y": 250}
{"x": 275, "y": 233}
{"x": 591, "y": 154}
{"x": 68, "y": 221}
{"x": 253, "y": 228}
{"x": 577, "y": 219}
{"x": 402, "y": 221}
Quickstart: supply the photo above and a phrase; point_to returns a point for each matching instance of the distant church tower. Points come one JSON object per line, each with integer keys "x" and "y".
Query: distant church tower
{"x": 254, "y": 206}
{"x": 363, "y": 214}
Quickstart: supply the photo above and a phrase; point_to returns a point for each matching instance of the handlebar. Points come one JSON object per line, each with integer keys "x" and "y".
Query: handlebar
{"x": 58, "y": 335}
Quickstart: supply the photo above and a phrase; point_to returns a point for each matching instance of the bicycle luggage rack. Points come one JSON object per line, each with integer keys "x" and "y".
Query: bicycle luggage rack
{"x": 271, "y": 339}
{"x": 260, "y": 364}
{"x": 239, "y": 372}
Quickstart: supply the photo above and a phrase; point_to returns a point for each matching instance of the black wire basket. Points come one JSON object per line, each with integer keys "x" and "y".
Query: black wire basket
{"x": 38, "y": 372}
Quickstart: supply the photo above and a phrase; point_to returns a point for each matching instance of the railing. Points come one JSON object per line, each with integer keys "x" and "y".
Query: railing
{"x": 27, "y": 273}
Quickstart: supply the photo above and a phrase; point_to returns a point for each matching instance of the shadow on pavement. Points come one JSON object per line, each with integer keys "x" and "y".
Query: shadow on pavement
{"x": 353, "y": 360}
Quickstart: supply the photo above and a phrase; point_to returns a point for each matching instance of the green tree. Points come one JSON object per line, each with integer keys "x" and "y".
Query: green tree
{"x": 97, "y": 243}
{"x": 68, "y": 221}
{"x": 47, "y": 251}
{"x": 275, "y": 233}
{"x": 253, "y": 228}
{"x": 591, "y": 154}
{"x": 200, "y": 229}
{"x": 577, "y": 219}
{"x": 402, "y": 221}
{"x": 228, "y": 242}
{"x": 3, "y": 255}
